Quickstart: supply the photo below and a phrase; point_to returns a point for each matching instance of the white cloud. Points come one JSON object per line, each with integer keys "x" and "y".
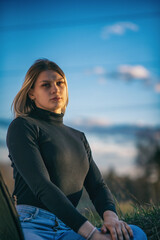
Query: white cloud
{"x": 118, "y": 29}
{"x": 97, "y": 70}
{"x": 114, "y": 149}
{"x": 108, "y": 153}
{"x": 124, "y": 72}
{"x": 102, "y": 80}
{"x": 128, "y": 72}
{"x": 157, "y": 88}
{"x": 102, "y": 122}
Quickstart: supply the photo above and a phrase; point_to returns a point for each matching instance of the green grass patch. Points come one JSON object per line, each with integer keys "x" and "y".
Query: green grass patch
{"x": 147, "y": 217}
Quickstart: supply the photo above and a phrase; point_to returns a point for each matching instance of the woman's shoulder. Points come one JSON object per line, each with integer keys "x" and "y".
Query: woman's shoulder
{"x": 21, "y": 120}
{"x": 77, "y": 132}
{"x": 21, "y": 123}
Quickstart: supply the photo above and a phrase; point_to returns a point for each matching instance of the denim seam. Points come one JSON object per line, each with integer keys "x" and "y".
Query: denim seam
{"x": 28, "y": 219}
{"x": 41, "y": 212}
{"x": 37, "y": 213}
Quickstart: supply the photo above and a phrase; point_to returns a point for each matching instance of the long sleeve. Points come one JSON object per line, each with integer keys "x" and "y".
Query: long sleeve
{"x": 98, "y": 191}
{"x": 23, "y": 145}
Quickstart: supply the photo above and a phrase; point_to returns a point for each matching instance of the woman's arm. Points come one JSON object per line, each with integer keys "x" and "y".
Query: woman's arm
{"x": 98, "y": 191}
{"x": 103, "y": 201}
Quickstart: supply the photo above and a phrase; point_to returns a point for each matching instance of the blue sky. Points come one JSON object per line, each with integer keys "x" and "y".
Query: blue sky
{"x": 109, "y": 51}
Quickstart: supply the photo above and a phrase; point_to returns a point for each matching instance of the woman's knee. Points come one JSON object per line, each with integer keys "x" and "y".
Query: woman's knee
{"x": 138, "y": 233}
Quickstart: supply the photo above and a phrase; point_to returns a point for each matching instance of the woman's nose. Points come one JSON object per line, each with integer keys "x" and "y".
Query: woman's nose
{"x": 54, "y": 88}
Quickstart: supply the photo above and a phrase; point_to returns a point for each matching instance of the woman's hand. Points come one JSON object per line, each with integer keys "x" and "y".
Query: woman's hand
{"x": 118, "y": 229}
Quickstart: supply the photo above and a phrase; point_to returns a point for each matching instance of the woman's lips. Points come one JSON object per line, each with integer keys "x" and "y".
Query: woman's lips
{"x": 56, "y": 98}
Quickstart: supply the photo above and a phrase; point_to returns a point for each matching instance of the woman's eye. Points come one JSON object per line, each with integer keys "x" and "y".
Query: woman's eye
{"x": 46, "y": 85}
{"x": 59, "y": 83}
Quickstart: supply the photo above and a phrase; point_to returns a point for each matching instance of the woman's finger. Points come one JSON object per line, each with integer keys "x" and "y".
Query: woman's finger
{"x": 125, "y": 232}
{"x": 119, "y": 232}
{"x": 103, "y": 229}
{"x": 128, "y": 229}
{"x": 113, "y": 234}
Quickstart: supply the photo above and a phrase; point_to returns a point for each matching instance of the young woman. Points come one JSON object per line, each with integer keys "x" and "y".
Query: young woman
{"x": 52, "y": 162}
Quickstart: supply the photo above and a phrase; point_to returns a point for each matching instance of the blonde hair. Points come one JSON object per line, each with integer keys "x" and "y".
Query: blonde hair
{"x": 22, "y": 104}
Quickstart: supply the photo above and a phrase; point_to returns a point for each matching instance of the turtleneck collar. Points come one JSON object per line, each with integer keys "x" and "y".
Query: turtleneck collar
{"x": 47, "y": 115}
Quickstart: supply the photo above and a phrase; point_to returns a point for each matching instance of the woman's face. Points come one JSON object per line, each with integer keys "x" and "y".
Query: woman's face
{"x": 49, "y": 92}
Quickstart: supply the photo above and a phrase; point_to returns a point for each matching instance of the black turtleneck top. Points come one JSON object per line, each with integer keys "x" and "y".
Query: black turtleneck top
{"x": 51, "y": 163}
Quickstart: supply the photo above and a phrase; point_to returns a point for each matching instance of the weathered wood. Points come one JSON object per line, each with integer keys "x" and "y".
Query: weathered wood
{"x": 10, "y": 228}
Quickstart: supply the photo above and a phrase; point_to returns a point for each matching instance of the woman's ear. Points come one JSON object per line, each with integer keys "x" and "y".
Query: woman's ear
{"x": 31, "y": 94}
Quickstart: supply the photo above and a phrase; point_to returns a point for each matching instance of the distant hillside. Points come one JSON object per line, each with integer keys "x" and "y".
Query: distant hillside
{"x": 123, "y": 129}
{"x": 4, "y": 122}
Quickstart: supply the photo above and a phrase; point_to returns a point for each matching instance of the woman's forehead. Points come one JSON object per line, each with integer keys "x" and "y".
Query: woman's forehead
{"x": 49, "y": 75}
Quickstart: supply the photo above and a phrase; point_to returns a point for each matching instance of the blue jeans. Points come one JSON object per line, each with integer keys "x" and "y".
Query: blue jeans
{"x": 39, "y": 224}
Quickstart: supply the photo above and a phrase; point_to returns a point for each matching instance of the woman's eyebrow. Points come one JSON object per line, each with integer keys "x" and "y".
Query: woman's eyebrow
{"x": 61, "y": 78}
{"x": 50, "y": 80}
